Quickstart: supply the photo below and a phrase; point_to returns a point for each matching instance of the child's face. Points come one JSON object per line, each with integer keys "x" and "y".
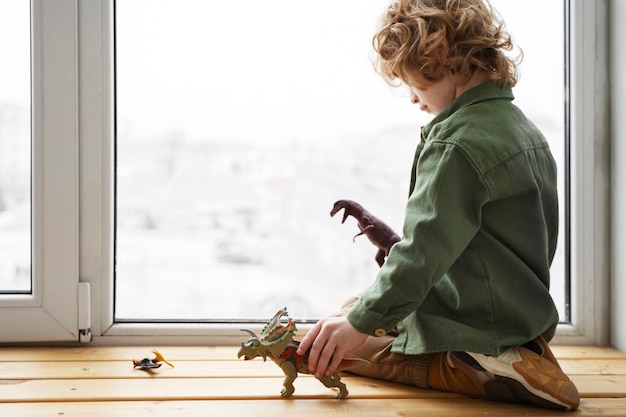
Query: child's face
{"x": 435, "y": 97}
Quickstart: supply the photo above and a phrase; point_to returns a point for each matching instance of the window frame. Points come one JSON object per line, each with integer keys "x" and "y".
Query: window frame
{"x": 589, "y": 182}
{"x": 94, "y": 74}
{"x": 50, "y": 311}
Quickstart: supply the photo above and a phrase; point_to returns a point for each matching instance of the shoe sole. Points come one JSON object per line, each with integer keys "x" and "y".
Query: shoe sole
{"x": 542, "y": 382}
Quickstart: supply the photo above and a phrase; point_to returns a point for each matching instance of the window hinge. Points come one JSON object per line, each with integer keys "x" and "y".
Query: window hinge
{"x": 84, "y": 312}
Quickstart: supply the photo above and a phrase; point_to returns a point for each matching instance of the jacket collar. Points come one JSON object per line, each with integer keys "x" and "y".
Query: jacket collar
{"x": 488, "y": 90}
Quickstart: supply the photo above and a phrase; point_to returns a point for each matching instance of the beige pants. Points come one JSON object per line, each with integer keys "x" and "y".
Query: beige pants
{"x": 443, "y": 371}
{"x": 395, "y": 367}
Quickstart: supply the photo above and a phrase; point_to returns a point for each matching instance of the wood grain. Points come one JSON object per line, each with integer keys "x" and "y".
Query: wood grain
{"x": 206, "y": 381}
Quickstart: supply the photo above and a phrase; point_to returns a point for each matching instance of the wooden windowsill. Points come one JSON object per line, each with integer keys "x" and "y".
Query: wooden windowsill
{"x": 101, "y": 381}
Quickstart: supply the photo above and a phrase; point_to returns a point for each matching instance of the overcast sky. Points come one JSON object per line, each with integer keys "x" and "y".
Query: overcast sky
{"x": 282, "y": 68}
{"x": 278, "y": 67}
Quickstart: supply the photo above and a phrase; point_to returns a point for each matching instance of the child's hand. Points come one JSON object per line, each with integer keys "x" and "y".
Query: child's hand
{"x": 330, "y": 340}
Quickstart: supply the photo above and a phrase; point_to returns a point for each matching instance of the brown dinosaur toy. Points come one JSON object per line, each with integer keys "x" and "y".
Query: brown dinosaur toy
{"x": 276, "y": 342}
{"x": 381, "y": 235}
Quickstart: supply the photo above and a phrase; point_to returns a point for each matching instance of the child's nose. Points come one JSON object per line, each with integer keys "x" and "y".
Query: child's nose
{"x": 414, "y": 99}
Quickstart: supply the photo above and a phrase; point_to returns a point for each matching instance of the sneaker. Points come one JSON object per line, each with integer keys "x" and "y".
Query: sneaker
{"x": 528, "y": 373}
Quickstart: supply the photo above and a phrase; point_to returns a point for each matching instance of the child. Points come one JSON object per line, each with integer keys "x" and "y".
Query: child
{"x": 461, "y": 303}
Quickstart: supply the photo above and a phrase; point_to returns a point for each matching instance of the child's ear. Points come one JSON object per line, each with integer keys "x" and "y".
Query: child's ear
{"x": 443, "y": 50}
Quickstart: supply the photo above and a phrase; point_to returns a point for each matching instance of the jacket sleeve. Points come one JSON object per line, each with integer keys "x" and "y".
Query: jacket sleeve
{"x": 442, "y": 216}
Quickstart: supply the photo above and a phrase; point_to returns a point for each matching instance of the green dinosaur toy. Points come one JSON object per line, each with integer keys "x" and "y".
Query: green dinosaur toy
{"x": 276, "y": 342}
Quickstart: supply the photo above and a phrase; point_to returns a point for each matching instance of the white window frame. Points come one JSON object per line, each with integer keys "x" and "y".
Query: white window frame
{"x": 95, "y": 79}
{"x": 590, "y": 174}
{"x": 50, "y": 312}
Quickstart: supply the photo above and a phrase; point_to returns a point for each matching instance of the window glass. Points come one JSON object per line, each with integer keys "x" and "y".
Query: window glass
{"x": 237, "y": 130}
{"x": 15, "y": 146}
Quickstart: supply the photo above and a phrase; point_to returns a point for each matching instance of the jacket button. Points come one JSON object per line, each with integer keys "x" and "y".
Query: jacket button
{"x": 380, "y": 332}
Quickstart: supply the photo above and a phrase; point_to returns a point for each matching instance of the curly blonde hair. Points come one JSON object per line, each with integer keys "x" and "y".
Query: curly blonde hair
{"x": 419, "y": 39}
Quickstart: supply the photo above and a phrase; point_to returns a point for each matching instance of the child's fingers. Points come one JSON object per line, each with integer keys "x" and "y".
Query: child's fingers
{"x": 334, "y": 363}
{"x": 307, "y": 340}
{"x": 324, "y": 359}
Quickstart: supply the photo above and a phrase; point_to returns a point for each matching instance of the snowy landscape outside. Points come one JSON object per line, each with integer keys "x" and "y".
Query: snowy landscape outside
{"x": 237, "y": 129}
{"x": 15, "y": 242}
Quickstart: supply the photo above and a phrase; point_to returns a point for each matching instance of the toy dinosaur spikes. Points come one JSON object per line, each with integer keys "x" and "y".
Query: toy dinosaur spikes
{"x": 381, "y": 235}
{"x": 274, "y": 322}
{"x": 276, "y": 342}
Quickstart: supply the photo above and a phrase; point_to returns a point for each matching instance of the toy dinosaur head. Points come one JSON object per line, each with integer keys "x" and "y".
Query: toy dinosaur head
{"x": 271, "y": 341}
{"x": 252, "y": 348}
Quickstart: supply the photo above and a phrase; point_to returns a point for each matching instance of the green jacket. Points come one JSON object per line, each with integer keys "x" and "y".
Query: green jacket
{"x": 472, "y": 271}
